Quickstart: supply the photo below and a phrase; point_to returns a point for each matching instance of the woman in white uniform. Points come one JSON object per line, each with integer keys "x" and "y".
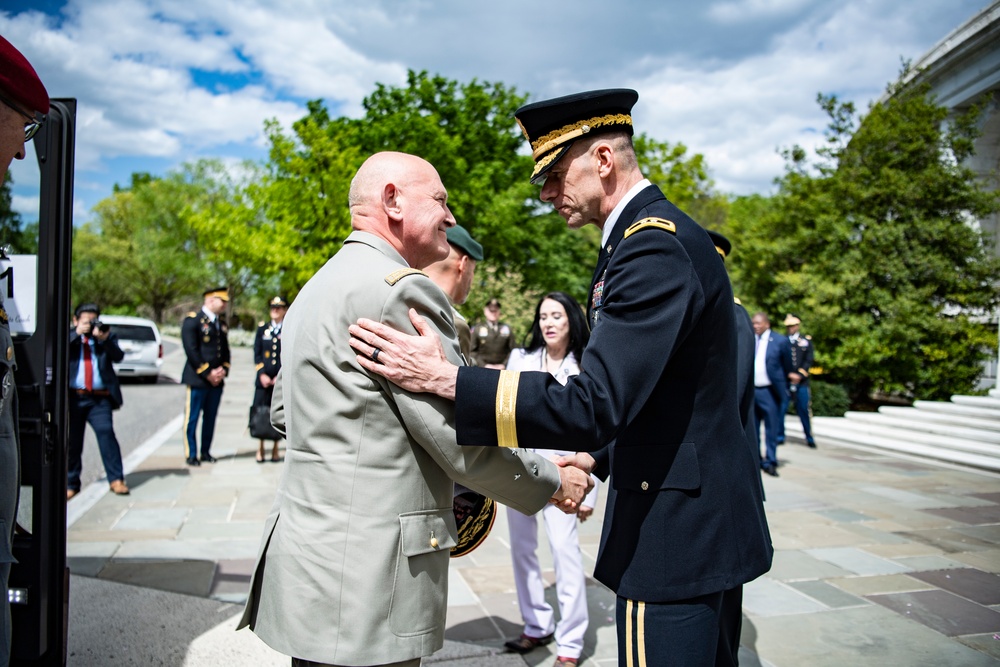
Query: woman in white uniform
{"x": 558, "y": 336}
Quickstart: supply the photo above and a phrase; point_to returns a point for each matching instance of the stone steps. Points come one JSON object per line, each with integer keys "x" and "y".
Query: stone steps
{"x": 963, "y": 431}
{"x": 917, "y": 417}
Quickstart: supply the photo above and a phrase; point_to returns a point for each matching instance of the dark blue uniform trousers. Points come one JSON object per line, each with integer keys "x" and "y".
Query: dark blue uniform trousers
{"x": 204, "y": 401}
{"x": 697, "y": 632}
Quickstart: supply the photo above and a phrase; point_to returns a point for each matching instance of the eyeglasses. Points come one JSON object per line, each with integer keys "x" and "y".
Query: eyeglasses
{"x": 34, "y": 122}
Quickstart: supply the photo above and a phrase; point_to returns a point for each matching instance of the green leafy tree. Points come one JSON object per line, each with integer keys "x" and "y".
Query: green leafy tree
{"x": 303, "y": 194}
{"x": 467, "y": 132}
{"x": 872, "y": 244}
{"x": 141, "y": 250}
{"x": 684, "y": 180}
{"x": 230, "y": 232}
{"x": 21, "y": 239}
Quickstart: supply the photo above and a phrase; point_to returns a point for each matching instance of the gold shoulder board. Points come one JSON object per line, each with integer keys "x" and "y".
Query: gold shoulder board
{"x": 192, "y": 314}
{"x": 737, "y": 301}
{"x": 396, "y": 276}
{"x": 261, "y": 323}
{"x": 659, "y": 223}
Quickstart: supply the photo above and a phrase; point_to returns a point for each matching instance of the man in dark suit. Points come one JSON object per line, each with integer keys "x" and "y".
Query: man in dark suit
{"x": 656, "y": 401}
{"x": 94, "y": 393}
{"x": 206, "y": 344}
{"x": 772, "y": 364}
{"x": 802, "y": 361}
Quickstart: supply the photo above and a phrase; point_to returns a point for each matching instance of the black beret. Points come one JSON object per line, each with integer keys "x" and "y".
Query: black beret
{"x": 552, "y": 126}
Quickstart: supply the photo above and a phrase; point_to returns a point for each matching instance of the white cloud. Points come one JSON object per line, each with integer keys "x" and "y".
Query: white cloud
{"x": 173, "y": 81}
{"x": 27, "y": 206}
{"x": 744, "y": 10}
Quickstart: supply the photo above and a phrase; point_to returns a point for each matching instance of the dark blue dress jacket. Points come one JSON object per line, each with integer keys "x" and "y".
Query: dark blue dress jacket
{"x": 657, "y": 403}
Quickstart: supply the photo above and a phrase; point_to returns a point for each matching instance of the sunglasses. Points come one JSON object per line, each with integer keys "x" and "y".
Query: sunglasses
{"x": 34, "y": 122}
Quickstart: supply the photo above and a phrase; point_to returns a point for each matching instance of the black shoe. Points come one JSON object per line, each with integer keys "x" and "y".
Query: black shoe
{"x": 192, "y": 461}
{"x": 524, "y": 643}
{"x": 811, "y": 443}
{"x": 771, "y": 470}
{"x": 208, "y": 458}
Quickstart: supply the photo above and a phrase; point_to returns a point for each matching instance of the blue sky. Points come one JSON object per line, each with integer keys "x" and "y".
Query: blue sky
{"x": 161, "y": 82}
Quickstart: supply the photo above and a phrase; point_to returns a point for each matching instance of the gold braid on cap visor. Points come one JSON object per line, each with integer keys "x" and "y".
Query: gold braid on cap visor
{"x": 569, "y": 132}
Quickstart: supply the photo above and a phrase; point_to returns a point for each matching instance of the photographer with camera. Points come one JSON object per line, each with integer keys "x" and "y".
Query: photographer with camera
{"x": 93, "y": 394}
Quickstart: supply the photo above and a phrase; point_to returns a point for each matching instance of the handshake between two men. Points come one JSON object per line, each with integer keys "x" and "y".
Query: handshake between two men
{"x": 418, "y": 364}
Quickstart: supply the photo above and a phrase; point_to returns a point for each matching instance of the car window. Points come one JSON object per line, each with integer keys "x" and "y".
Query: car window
{"x": 134, "y": 332}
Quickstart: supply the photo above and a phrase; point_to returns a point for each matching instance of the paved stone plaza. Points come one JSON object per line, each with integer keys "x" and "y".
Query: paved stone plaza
{"x": 879, "y": 561}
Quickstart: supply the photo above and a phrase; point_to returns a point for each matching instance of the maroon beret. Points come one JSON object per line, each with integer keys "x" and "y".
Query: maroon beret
{"x": 18, "y": 80}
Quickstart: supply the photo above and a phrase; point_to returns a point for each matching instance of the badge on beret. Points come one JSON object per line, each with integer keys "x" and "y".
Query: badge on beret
{"x": 474, "y": 516}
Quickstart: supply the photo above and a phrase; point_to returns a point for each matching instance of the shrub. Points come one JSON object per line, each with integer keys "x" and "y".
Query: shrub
{"x": 828, "y": 399}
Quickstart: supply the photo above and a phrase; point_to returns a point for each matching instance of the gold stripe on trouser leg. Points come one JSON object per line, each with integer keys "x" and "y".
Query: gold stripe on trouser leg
{"x": 640, "y": 633}
{"x": 187, "y": 416}
{"x": 628, "y": 634}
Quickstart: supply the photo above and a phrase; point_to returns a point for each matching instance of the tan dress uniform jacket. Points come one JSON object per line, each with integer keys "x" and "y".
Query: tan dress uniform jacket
{"x": 353, "y": 567}
{"x": 491, "y": 344}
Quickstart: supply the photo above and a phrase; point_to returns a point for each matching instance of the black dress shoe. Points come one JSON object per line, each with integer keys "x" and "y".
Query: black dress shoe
{"x": 811, "y": 444}
{"x": 524, "y": 643}
{"x": 771, "y": 470}
{"x": 192, "y": 461}
{"x": 208, "y": 458}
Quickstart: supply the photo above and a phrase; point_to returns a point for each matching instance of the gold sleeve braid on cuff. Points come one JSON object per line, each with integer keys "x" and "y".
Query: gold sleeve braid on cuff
{"x": 506, "y": 408}
{"x": 202, "y": 369}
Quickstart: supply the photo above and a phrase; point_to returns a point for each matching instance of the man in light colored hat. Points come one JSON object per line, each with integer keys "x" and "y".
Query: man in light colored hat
{"x": 23, "y": 105}
{"x": 655, "y": 403}
{"x": 798, "y": 379}
{"x": 454, "y": 275}
{"x": 206, "y": 343}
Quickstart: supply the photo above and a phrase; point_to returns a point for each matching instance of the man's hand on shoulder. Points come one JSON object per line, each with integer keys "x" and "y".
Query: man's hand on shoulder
{"x": 415, "y": 363}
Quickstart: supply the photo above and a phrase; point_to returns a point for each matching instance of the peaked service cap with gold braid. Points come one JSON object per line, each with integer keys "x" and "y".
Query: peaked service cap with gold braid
{"x": 551, "y": 126}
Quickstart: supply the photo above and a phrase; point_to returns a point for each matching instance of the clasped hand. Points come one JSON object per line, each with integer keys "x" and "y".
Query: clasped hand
{"x": 575, "y": 481}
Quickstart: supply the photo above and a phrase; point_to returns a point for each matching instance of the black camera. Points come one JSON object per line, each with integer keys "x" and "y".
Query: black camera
{"x": 99, "y": 326}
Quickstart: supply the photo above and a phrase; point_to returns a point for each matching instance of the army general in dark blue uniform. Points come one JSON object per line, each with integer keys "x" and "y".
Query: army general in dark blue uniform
{"x": 206, "y": 344}
{"x": 656, "y": 402}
